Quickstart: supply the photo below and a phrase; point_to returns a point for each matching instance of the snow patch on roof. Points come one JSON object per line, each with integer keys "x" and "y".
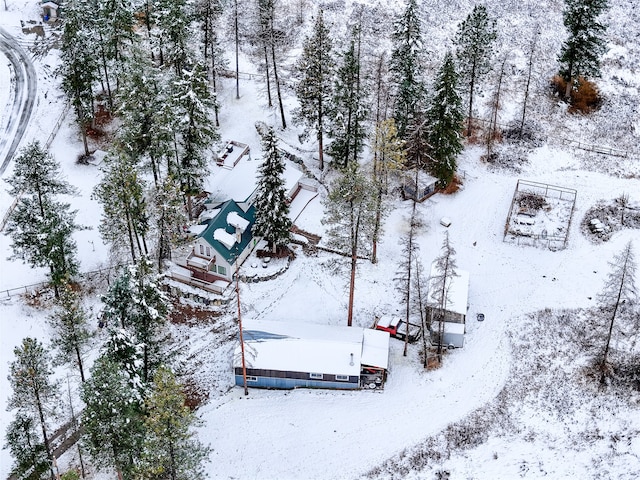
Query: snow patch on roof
{"x": 225, "y": 238}
{"x": 235, "y": 220}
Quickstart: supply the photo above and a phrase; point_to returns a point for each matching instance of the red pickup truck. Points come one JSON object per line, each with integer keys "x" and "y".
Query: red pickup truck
{"x": 397, "y": 327}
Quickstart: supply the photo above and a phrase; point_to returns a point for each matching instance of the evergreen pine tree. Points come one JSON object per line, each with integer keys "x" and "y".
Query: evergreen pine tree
{"x": 79, "y": 68}
{"x": 314, "y": 90}
{"x": 170, "y": 34}
{"x": 171, "y": 449}
{"x": 41, "y": 234}
{"x": 125, "y": 219}
{"x": 27, "y": 449}
{"x": 581, "y": 52}
{"x": 33, "y": 390}
{"x": 41, "y": 228}
{"x": 114, "y": 24}
{"x": 272, "y": 210}
{"x": 170, "y": 216}
{"x": 37, "y": 174}
{"x": 405, "y": 67}
{"x": 444, "y": 117}
{"x": 139, "y": 99}
{"x": 194, "y": 104}
{"x": 267, "y": 19}
{"x": 349, "y": 108}
{"x": 350, "y": 216}
{"x": 113, "y": 420}
{"x": 210, "y": 12}
{"x": 136, "y": 303}
{"x": 122, "y": 349}
{"x": 474, "y": 39}
{"x": 71, "y": 331}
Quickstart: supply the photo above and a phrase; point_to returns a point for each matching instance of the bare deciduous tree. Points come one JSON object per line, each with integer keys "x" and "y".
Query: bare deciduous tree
{"x": 439, "y": 285}
{"x": 619, "y": 289}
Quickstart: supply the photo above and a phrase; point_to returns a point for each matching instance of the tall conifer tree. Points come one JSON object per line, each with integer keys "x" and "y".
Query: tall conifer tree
{"x": 125, "y": 217}
{"x": 27, "y": 449}
{"x": 272, "y": 210}
{"x": 113, "y": 420}
{"x": 350, "y": 216}
{"x": 581, "y": 52}
{"x": 41, "y": 227}
{"x": 71, "y": 330}
{"x": 349, "y": 106}
{"x": 444, "y": 118}
{"x": 33, "y": 389}
{"x": 195, "y": 104}
{"x": 135, "y": 302}
{"x": 171, "y": 449}
{"x": 79, "y": 68}
{"x": 314, "y": 90}
{"x": 474, "y": 39}
{"x": 405, "y": 67}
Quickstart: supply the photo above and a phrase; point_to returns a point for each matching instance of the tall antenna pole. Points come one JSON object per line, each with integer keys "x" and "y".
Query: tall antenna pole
{"x": 244, "y": 365}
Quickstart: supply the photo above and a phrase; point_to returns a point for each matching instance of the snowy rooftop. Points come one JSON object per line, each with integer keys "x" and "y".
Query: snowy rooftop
{"x": 458, "y": 290}
{"x": 299, "y": 203}
{"x": 375, "y": 348}
{"x": 237, "y": 183}
{"x": 197, "y": 229}
{"x": 305, "y": 347}
{"x": 291, "y": 177}
{"x": 235, "y": 220}
{"x": 227, "y": 239}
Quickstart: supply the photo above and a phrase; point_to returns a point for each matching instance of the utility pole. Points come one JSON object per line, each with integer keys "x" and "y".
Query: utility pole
{"x": 244, "y": 365}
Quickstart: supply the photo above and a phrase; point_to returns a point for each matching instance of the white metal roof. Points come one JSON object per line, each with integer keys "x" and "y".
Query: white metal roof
{"x": 458, "y": 290}
{"x": 375, "y": 348}
{"x": 306, "y": 347}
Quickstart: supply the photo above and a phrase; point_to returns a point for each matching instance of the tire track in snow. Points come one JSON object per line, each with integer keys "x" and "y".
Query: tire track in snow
{"x": 24, "y": 96}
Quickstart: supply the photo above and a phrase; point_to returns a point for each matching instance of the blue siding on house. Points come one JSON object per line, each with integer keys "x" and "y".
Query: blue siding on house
{"x": 290, "y": 383}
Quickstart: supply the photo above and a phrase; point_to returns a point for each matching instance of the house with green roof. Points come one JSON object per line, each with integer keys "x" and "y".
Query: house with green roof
{"x": 224, "y": 241}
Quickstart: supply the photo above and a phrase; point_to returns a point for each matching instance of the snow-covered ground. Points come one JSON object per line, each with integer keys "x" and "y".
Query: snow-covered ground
{"x": 327, "y": 434}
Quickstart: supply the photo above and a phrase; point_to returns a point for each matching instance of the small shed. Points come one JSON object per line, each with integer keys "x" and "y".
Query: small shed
{"x": 302, "y": 355}
{"x": 50, "y": 11}
{"x": 418, "y": 186}
{"x": 454, "y": 315}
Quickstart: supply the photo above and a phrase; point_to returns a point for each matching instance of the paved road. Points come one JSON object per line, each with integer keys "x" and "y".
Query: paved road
{"x": 25, "y": 83}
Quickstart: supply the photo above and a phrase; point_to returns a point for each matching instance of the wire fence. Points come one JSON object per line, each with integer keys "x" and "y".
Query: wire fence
{"x": 91, "y": 275}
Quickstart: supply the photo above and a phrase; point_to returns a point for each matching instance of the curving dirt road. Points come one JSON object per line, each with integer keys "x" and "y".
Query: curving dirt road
{"x": 24, "y": 87}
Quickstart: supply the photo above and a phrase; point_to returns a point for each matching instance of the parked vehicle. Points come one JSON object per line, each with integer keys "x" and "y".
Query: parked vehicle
{"x": 397, "y": 327}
